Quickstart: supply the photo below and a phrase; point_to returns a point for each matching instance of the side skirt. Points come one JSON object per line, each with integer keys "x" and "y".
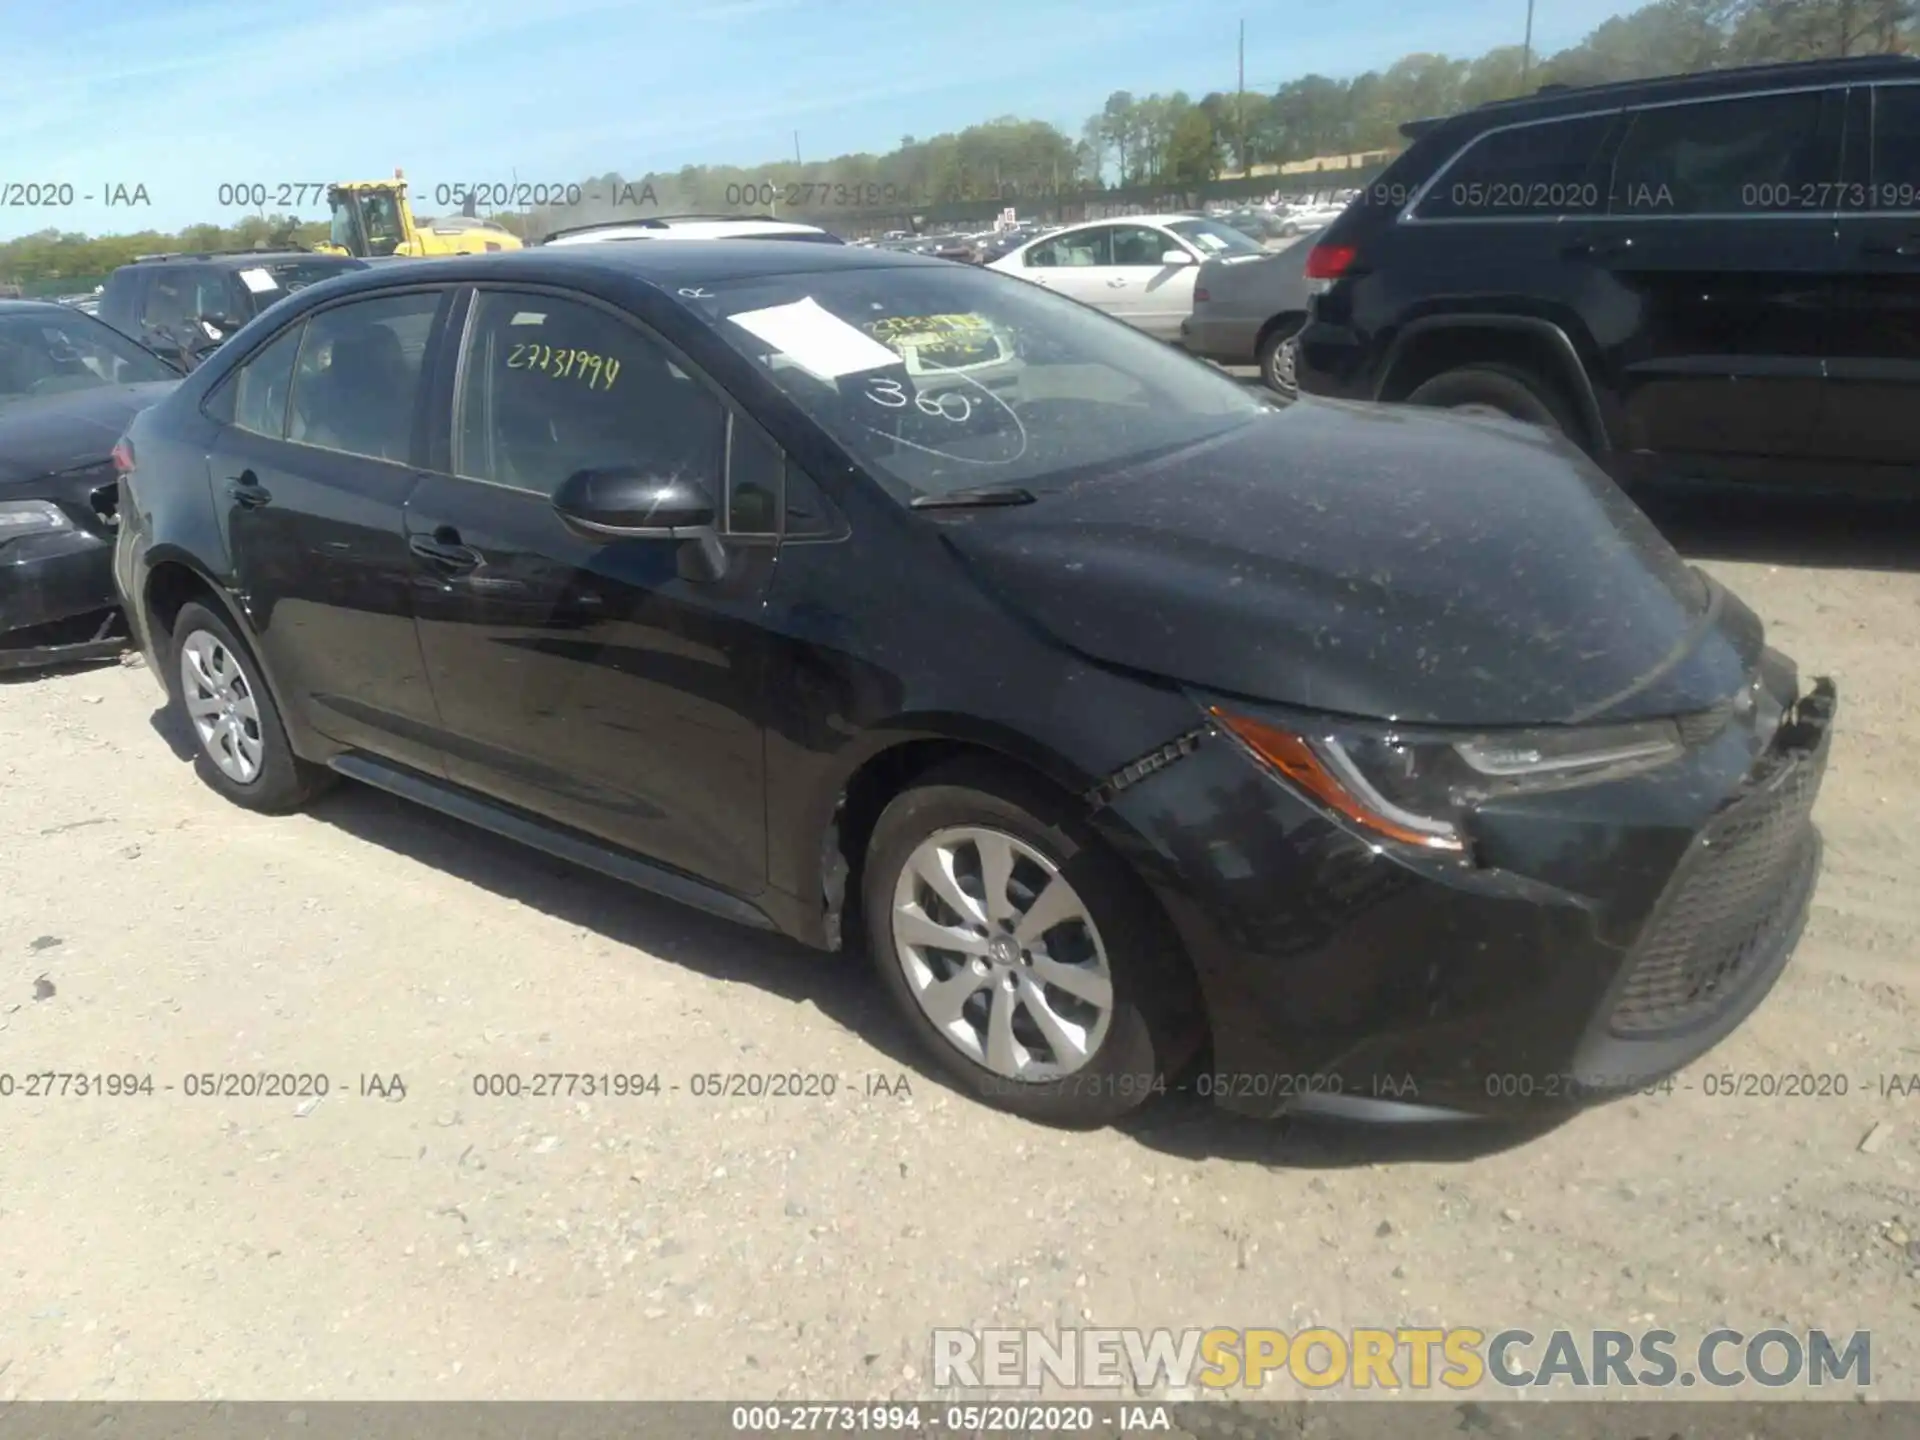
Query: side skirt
{"x": 561, "y": 843}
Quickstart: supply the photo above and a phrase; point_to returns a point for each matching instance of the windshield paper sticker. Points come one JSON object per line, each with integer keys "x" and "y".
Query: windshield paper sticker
{"x": 815, "y": 339}
{"x": 596, "y": 372}
{"x": 958, "y": 340}
{"x": 258, "y": 281}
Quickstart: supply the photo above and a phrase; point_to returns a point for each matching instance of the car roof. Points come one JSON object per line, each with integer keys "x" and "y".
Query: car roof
{"x": 688, "y": 226}
{"x": 237, "y": 258}
{"x": 1166, "y": 219}
{"x": 662, "y": 263}
{"x": 1552, "y": 100}
{"x": 27, "y": 307}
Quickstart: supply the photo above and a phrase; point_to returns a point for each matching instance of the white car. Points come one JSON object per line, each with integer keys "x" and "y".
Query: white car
{"x": 692, "y": 227}
{"x": 1140, "y": 269}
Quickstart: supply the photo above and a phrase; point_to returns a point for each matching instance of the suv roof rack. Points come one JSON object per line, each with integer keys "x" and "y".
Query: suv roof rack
{"x": 660, "y": 222}
{"x": 1849, "y": 66}
{"x": 215, "y": 254}
{"x": 1852, "y": 65}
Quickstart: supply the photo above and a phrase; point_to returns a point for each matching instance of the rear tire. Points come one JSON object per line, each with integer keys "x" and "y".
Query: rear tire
{"x": 1507, "y": 390}
{"x": 219, "y": 697}
{"x": 1277, "y": 359}
{"x": 1007, "y": 1031}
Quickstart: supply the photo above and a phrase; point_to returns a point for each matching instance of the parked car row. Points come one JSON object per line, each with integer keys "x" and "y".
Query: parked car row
{"x": 1186, "y": 279}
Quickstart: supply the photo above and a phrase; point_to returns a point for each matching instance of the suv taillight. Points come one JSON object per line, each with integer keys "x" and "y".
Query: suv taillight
{"x": 1329, "y": 262}
{"x": 122, "y": 458}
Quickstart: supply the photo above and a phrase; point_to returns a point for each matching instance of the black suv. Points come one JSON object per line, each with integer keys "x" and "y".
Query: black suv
{"x": 1714, "y": 276}
{"x": 182, "y": 306}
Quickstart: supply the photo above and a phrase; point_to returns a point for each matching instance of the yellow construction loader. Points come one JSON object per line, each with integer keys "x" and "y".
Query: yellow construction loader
{"x": 372, "y": 219}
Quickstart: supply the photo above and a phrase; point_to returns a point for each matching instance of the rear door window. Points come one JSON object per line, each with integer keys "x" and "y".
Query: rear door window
{"x": 1546, "y": 168}
{"x": 1896, "y": 148}
{"x": 261, "y": 384}
{"x": 168, "y": 303}
{"x": 355, "y": 385}
{"x": 1738, "y": 157}
{"x": 1078, "y": 248}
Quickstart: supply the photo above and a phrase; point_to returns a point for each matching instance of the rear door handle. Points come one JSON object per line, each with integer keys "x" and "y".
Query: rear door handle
{"x": 445, "y": 549}
{"x": 245, "y": 489}
{"x": 1117, "y": 283}
{"x": 1906, "y": 249}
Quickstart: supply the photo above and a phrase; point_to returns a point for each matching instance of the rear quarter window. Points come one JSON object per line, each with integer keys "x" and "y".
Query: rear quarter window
{"x": 1538, "y": 168}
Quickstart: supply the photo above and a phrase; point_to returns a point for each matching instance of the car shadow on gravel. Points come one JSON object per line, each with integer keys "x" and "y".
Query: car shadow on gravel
{"x": 841, "y": 986}
{"x": 1774, "y": 527}
{"x": 1191, "y": 1128}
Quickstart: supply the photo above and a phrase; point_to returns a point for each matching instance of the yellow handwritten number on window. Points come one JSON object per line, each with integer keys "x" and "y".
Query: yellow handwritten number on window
{"x": 596, "y": 372}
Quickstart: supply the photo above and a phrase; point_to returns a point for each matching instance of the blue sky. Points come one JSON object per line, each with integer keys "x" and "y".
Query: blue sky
{"x": 182, "y": 95}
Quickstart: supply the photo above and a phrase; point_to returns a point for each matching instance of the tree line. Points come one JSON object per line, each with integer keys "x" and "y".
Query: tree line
{"x": 1171, "y": 140}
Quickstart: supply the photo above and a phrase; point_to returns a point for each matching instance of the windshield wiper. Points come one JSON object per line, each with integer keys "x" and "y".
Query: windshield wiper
{"x": 977, "y": 495}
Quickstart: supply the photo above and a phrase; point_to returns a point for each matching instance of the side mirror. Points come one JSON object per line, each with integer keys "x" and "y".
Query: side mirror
{"x": 1175, "y": 257}
{"x": 626, "y": 502}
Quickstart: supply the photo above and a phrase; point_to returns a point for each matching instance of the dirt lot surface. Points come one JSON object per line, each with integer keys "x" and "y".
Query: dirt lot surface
{"x": 439, "y": 1244}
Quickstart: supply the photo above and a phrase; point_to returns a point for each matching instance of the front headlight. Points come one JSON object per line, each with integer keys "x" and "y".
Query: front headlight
{"x": 31, "y": 517}
{"x": 1414, "y": 786}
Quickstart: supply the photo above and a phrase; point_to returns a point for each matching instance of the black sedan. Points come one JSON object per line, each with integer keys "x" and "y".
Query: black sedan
{"x": 1388, "y": 761}
{"x": 68, "y": 386}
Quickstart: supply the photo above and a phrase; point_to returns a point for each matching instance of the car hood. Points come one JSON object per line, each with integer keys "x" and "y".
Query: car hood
{"x": 55, "y": 433}
{"x": 1379, "y": 561}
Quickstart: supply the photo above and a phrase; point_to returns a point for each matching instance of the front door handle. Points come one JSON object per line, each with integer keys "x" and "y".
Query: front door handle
{"x": 246, "y": 489}
{"x": 1117, "y": 283}
{"x": 445, "y": 549}
{"x": 1906, "y": 249}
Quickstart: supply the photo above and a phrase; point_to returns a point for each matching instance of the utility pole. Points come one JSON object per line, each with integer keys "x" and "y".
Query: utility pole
{"x": 1526, "y": 50}
{"x": 1240, "y": 103}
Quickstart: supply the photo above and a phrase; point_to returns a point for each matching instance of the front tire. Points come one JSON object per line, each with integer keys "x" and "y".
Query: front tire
{"x": 240, "y": 744}
{"x": 1028, "y": 961}
{"x": 1504, "y": 390}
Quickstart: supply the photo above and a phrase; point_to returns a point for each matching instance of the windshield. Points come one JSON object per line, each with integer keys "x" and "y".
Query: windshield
{"x": 1215, "y": 239}
{"x": 46, "y": 353}
{"x": 381, "y": 215}
{"x": 941, "y": 378}
{"x": 365, "y": 223}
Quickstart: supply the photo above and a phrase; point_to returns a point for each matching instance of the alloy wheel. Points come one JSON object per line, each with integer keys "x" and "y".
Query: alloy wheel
{"x": 1002, "y": 954}
{"x": 1285, "y": 372}
{"x": 221, "y": 704}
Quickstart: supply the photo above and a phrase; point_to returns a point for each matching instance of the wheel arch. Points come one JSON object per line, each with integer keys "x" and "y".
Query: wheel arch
{"x": 1434, "y": 344}
{"x": 1278, "y": 321}
{"x": 840, "y": 818}
{"x": 174, "y": 579}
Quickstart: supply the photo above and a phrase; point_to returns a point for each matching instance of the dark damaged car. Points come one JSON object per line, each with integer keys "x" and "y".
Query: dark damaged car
{"x": 68, "y": 387}
{"x": 1377, "y": 762}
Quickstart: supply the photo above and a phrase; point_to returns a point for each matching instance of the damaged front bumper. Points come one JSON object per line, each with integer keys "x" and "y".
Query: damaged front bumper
{"x": 58, "y": 604}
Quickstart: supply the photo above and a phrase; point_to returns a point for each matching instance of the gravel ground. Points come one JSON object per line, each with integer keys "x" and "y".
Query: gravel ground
{"x": 434, "y": 1244}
